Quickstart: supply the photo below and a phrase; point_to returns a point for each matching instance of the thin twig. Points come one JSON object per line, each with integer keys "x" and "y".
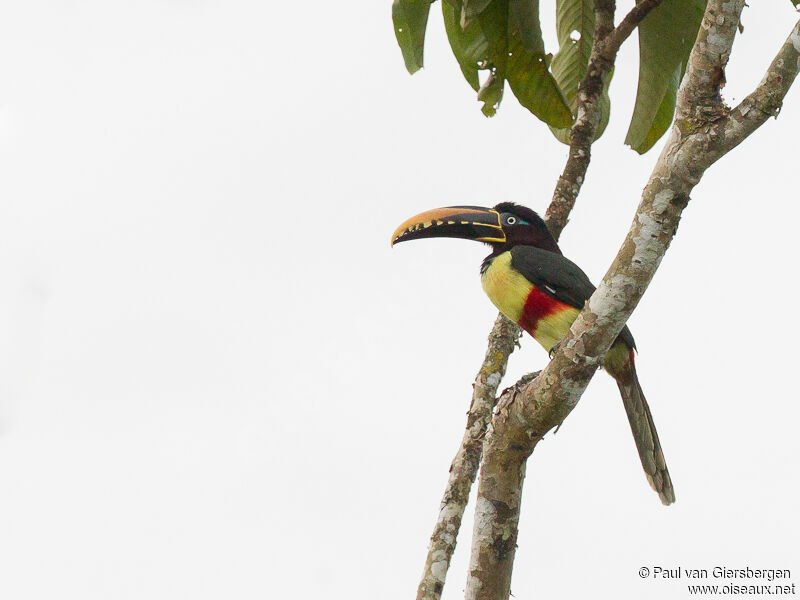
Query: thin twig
{"x": 626, "y": 26}
{"x": 766, "y": 100}
{"x": 606, "y": 44}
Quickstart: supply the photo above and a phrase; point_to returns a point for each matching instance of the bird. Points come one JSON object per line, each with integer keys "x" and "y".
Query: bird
{"x": 531, "y": 282}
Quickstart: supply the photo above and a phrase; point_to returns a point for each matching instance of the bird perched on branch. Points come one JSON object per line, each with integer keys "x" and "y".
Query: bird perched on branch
{"x": 530, "y": 282}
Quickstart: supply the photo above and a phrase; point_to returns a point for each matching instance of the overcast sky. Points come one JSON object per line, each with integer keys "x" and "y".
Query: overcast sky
{"x": 218, "y": 380}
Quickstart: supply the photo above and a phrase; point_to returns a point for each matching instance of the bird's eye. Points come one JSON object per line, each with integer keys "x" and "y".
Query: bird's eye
{"x": 510, "y": 220}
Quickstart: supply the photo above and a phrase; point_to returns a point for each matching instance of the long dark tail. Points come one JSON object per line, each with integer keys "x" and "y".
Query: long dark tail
{"x": 644, "y": 429}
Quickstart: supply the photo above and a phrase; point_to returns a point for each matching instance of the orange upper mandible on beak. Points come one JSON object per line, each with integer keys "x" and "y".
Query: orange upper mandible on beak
{"x": 465, "y": 222}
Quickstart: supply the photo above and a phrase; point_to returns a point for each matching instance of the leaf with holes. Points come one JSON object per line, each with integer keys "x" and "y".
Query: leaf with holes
{"x": 525, "y": 19}
{"x": 666, "y": 37}
{"x": 491, "y": 93}
{"x": 527, "y": 72}
{"x": 410, "y": 18}
{"x": 575, "y": 29}
{"x": 469, "y": 45}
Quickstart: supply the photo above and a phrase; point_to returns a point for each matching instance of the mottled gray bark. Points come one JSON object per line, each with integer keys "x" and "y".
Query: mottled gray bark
{"x": 465, "y": 465}
{"x": 705, "y": 130}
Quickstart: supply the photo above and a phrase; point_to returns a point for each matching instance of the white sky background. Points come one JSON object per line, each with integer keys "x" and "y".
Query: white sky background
{"x": 218, "y": 381}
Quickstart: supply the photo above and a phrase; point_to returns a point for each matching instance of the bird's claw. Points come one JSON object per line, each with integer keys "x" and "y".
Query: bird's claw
{"x": 555, "y": 348}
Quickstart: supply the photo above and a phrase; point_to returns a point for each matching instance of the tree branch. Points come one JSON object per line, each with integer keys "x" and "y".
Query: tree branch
{"x": 766, "y": 100}
{"x": 627, "y": 25}
{"x": 606, "y": 44}
{"x": 464, "y": 467}
{"x": 504, "y": 334}
{"x": 701, "y": 100}
{"x": 530, "y": 410}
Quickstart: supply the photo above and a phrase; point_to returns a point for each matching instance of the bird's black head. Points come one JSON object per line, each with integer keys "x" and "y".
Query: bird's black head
{"x": 524, "y": 227}
{"x": 502, "y": 227}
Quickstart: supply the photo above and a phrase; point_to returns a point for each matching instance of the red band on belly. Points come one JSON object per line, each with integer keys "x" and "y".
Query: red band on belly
{"x": 537, "y": 306}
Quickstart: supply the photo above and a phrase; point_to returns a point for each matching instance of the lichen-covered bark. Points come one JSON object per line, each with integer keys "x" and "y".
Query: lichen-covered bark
{"x": 465, "y": 465}
{"x": 704, "y": 131}
{"x": 767, "y": 98}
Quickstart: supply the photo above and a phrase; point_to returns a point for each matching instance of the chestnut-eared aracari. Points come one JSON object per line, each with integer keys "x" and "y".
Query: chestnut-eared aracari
{"x": 530, "y": 282}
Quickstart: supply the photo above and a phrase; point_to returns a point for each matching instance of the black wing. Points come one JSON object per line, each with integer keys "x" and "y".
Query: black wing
{"x": 559, "y": 278}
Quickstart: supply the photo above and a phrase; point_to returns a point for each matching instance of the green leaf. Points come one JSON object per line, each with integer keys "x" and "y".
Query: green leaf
{"x": 666, "y": 37}
{"x": 533, "y": 85}
{"x": 469, "y": 45}
{"x": 410, "y": 18}
{"x": 575, "y": 29}
{"x": 491, "y": 93}
{"x": 471, "y": 49}
{"x": 527, "y": 72}
{"x": 663, "y": 116}
{"x": 494, "y": 24}
{"x": 472, "y": 8}
{"x": 526, "y": 21}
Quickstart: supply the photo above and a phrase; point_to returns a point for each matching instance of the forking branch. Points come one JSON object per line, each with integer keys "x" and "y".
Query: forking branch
{"x": 503, "y": 337}
{"x": 704, "y": 131}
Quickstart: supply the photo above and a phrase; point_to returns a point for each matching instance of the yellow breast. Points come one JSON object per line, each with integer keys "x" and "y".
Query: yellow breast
{"x": 509, "y": 290}
{"x": 506, "y": 287}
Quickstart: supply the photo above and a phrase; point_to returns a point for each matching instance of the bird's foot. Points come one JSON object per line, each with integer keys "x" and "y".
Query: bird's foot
{"x": 555, "y": 348}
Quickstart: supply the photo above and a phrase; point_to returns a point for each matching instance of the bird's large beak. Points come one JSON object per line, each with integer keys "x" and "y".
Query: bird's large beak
{"x": 466, "y": 222}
